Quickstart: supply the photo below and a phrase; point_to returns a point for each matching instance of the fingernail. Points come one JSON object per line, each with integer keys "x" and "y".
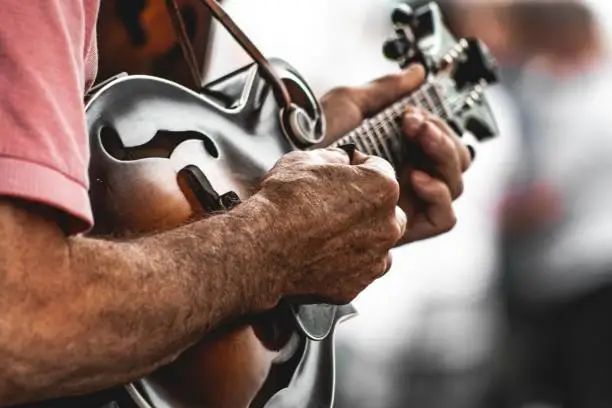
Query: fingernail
{"x": 402, "y": 219}
{"x": 349, "y": 148}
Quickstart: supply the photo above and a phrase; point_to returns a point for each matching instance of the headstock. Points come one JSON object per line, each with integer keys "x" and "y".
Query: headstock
{"x": 460, "y": 68}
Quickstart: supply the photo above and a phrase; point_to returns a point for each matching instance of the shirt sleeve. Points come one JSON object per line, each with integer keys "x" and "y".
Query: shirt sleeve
{"x": 44, "y": 153}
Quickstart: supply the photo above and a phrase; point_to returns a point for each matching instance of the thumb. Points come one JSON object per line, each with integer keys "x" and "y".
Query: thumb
{"x": 382, "y": 92}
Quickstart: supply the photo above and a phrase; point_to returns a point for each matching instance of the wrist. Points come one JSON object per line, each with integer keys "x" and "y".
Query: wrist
{"x": 255, "y": 238}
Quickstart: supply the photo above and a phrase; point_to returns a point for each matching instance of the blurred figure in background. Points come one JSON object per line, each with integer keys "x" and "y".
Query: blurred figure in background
{"x": 557, "y": 231}
{"x": 556, "y": 220}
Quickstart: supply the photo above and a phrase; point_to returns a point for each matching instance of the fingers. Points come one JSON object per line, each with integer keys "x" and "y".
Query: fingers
{"x": 376, "y": 95}
{"x": 316, "y": 157}
{"x": 387, "y": 187}
{"x": 438, "y": 215}
{"x": 375, "y": 163}
{"x": 463, "y": 151}
{"x": 443, "y": 148}
{"x": 413, "y": 120}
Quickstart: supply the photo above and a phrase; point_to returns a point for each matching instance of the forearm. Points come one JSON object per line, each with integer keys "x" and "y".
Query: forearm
{"x": 90, "y": 313}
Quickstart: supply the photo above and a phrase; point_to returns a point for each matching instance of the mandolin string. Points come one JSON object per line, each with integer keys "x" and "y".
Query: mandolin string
{"x": 439, "y": 109}
{"x": 394, "y": 116}
{"x": 373, "y": 134}
{"x": 393, "y": 112}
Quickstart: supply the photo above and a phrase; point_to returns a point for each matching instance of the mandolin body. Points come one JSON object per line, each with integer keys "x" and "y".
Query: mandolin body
{"x": 162, "y": 156}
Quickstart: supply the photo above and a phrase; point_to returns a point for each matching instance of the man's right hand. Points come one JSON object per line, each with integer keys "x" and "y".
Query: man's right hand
{"x": 337, "y": 221}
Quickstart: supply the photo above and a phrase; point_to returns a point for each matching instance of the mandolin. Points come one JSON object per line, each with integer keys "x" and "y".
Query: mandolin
{"x": 163, "y": 155}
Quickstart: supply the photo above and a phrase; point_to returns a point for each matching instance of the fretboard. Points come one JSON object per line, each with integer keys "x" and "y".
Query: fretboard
{"x": 381, "y": 135}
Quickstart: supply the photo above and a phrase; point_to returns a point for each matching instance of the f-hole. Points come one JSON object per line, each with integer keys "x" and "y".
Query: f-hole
{"x": 161, "y": 145}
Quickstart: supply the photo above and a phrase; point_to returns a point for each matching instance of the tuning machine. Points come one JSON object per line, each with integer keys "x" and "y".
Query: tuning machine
{"x": 403, "y": 47}
{"x": 454, "y": 55}
{"x": 460, "y": 68}
{"x": 403, "y": 15}
{"x": 475, "y": 114}
{"x": 473, "y": 64}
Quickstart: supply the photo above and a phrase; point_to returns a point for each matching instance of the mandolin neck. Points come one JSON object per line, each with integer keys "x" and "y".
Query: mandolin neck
{"x": 381, "y": 135}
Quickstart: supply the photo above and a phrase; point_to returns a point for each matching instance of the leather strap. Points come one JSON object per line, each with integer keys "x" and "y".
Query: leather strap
{"x": 188, "y": 53}
{"x": 278, "y": 86}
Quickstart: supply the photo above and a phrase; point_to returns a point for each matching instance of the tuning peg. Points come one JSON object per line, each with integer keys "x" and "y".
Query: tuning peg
{"x": 402, "y": 14}
{"x": 479, "y": 128}
{"x": 455, "y": 126}
{"x": 396, "y": 49}
{"x": 454, "y": 54}
{"x": 477, "y": 66}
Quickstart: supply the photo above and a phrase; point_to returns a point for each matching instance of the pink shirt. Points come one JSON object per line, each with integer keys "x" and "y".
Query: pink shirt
{"x": 48, "y": 59}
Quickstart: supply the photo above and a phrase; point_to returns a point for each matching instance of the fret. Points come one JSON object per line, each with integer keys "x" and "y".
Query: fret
{"x": 424, "y": 101}
{"x": 414, "y": 100}
{"x": 430, "y": 103}
{"x": 387, "y": 125}
{"x": 398, "y": 110}
{"x": 435, "y": 96}
{"x": 369, "y": 130}
{"x": 350, "y": 138}
{"x": 425, "y": 98}
{"x": 361, "y": 141}
{"x": 346, "y": 139}
{"x": 355, "y": 138}
{"x": 396, "y": 139}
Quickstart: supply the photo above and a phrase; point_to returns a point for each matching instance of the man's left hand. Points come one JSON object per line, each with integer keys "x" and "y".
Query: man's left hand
{"x": 429, "y": 187}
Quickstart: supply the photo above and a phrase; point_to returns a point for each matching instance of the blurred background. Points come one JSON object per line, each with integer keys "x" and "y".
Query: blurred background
{"x": 513, "y": 308}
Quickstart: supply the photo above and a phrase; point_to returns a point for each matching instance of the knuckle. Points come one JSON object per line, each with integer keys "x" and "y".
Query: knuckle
{"x": 345, "y": 92}
{"x": 295, "y": 156}
{"x": 446, "y": 147}
{"x": 380, "y": 167}
{"x": 437, "y": 125}
{"x": 382, "y": 266}
{"x": 326, "y": 172}
{"x": 438, "y": 121}
{"x": 334, "y": 155}
{"x": 394, "y": 189}
{"x": 388, "y": 79}
{"x": 387, "y": 188}
{"x": 450, "y": 221}
{"x": 431, "y": 127}
{"x": 394, "y": 230}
